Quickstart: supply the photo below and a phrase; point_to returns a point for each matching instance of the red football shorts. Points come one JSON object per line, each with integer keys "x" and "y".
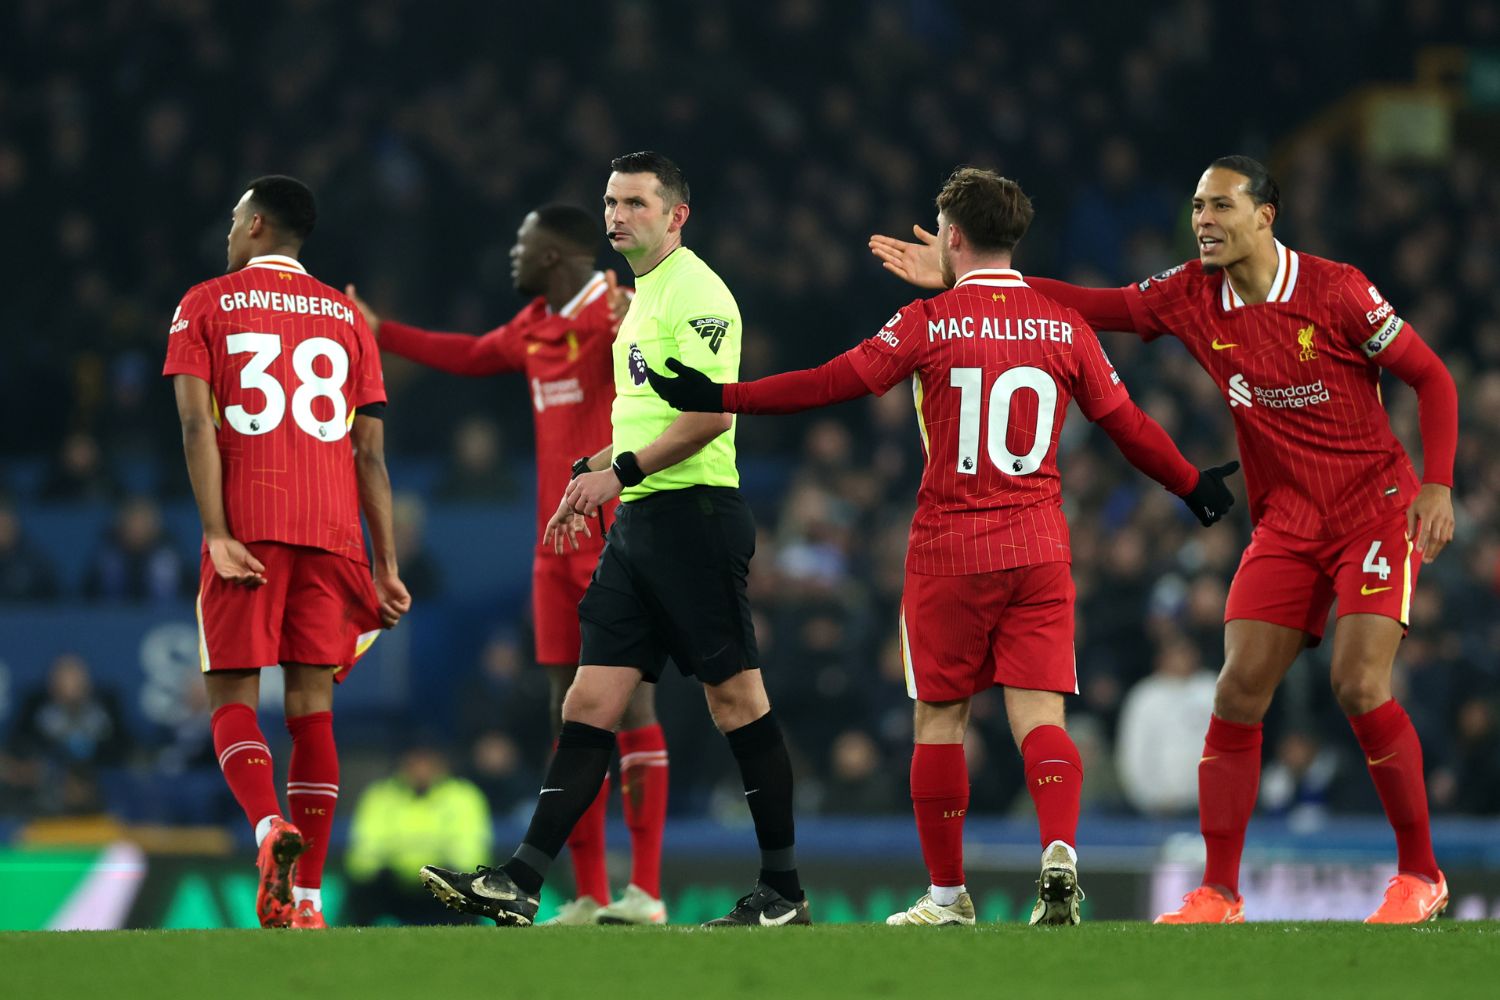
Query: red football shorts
{"x": 1012, "y": 627}
{"x": 557, "y": 585}
{"x": 315, "y": 608}
{"x": 1293, "y": 581}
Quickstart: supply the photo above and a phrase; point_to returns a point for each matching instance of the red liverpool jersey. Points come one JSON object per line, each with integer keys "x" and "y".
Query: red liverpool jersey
{"x": 566, "y": 358}
{"x": 288, "y": 360}
{"x": 1302, "y": 383}
{"x": 995, "y": 364}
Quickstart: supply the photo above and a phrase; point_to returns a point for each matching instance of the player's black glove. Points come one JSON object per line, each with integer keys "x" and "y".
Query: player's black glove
{"x": 1211, "y": 499}
{"x": 691, "y": 391}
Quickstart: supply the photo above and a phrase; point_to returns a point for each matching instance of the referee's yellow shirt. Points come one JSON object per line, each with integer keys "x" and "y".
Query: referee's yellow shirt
{"x": 682, "y": 309}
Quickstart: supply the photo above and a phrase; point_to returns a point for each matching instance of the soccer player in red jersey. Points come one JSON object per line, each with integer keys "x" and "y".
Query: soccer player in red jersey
{"x": 281, "y": 399}
{"x": 561, "y": 342}
{"x": 988, "y": 597}
{"x": 1296, "y": 343}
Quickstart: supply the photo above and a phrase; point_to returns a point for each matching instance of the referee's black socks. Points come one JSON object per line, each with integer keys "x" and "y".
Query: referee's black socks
{"x": 578, "y": 769}
{"x": 766, "y": 771}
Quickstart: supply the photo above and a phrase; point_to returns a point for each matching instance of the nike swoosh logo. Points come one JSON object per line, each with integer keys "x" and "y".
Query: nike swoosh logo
{"x": 1377, "y": 763}
{"x": 1367, "y": 591}
{"x": 546, "y": 790}
{"x": 751, "y": 792}
{"x": 1205, "y": 760}
{"x": 785, "y": 918}
{"x": 1221, "y": 347}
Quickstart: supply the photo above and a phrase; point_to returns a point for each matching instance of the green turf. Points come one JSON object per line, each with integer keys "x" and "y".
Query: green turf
{"x": 1116, "y": 960}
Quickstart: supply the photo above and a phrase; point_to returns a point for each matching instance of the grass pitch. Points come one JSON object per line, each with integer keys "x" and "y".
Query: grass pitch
{"x": 1116, "y": 960}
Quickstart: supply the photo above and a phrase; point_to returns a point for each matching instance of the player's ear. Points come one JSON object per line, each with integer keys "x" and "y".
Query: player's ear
{"x": 680, "y": 214}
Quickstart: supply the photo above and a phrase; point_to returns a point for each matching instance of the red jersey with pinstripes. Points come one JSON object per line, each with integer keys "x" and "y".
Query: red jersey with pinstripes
{"x": 1303, "y": 386}
{"x": 288, "y": 360}
{"x": 993, "y": 365}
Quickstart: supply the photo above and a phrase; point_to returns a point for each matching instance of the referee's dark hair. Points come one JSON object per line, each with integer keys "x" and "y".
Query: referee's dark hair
{"x": 1259, "y": 184}
{"x": 674, "y": 186}
{"x": 286, "y": 203}
{"x": 572, "y": 225}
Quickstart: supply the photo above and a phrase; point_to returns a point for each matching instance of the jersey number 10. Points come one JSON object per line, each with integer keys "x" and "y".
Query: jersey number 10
{"x": 266, "y": 348}
{"x": 970, "y": 384}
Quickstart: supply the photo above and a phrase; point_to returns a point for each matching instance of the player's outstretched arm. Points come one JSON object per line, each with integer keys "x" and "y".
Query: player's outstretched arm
{"x": 200, "y": 443}
{"x": 1148, "y": 447}
{"x": 368, "y": 437}
{"x": 915, "y": 263}
{"x": 835, "y": 381}
{"x": 455, "y": 353}
{"x": 1104, "y": 308}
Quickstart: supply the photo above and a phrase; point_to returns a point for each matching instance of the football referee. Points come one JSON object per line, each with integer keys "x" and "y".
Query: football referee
{"x": 671, "y": 580}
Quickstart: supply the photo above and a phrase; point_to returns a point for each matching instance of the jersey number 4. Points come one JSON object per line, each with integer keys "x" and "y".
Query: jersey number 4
{"x": 970, "y": 384}
{"x": 266, "y": 348}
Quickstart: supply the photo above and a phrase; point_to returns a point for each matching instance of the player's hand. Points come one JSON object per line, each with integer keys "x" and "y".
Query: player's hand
{"x": 1429, "y": 520}
{"x": 395, "y": 601}
{"x": 372, "y": 318}
{"x": 590, "y": 491}
{"x": 917, "y": 263}
{"x": 617, "y": 297}
{"x": 1210, "y": 500}
{"x": 564, "y": 527}
{"x": 691, "y": 390}
{"x": 235, "y": 563}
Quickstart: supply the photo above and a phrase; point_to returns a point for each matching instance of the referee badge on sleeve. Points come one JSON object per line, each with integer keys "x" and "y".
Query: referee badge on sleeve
{"x": 711, "y": 329}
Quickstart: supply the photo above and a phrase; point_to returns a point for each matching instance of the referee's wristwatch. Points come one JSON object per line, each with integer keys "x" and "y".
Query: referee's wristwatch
{"x": 581, "y": 466}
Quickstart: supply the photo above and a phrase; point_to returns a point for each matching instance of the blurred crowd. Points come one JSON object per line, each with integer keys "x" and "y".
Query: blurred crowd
{"x": 132, "y": 127}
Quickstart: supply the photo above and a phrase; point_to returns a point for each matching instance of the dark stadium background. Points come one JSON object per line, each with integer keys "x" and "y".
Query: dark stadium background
{"x": 129, "y": 129}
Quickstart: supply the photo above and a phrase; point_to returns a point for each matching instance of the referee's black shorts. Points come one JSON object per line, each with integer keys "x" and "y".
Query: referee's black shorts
{"x": 671, "y": 581}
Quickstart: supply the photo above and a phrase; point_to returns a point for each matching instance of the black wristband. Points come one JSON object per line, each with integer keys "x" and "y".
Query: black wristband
{"x": 627, "y": 469}
{"x": 581, "y": 466}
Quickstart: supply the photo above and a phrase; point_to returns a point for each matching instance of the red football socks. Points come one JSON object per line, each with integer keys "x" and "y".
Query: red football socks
{"x": 586, "y": 848}
{"x": 246, "y": 761}
{"x": 1054, "y": 777}
{"x": 940, "y": 798}
{"x": 1228, "y": 780}
{"x": 312, "y": 791}
{"x": 1394, "y": 756}
{"x": 643, "y": 788}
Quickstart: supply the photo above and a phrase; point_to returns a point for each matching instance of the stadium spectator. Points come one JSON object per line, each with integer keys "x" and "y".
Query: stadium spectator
{"x": 25, "y": 573}
{"x": 136, "y": 561}
{"x": 419, "y": 570}
{"x": 78, "y": 472}
{"x": 65, "y": 732}
{"x": 1296, "y": 781}
{"x": 860, "y": 782}
{"x": 1161, "y": 732}
{"x": 477, "y": 471}
{"x": 421, "y": 813}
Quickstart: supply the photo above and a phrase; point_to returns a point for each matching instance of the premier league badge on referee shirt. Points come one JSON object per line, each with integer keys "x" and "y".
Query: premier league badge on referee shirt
{"x": 711, "y": 329}
{"x": 637, "y": 365}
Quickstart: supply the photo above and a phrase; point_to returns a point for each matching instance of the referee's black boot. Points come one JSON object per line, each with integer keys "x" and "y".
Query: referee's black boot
{"x": 765, "y": 907}
{"x": 488, "y": 892}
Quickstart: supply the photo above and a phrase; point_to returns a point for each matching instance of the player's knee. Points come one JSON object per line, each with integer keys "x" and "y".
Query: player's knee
{"x": 1358, "y": 692}
{"x": 592, "y": 707}
{"x": 1239, "y": 698}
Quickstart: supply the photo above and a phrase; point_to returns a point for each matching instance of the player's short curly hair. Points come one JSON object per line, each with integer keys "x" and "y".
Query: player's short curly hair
{"x": 286, "y": 203}
{"x": 992, "y": 211}
{"x": 674, "y": 186}
{"x": 572, "y": 225}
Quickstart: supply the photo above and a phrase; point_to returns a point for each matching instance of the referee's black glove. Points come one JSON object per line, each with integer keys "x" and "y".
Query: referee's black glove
{"x": 691, "y": 391}
{"x": 1211, "y": 499}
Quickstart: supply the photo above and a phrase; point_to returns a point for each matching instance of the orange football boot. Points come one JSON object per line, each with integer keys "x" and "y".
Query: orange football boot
{"x": 308, "y": 917}
{"x": 1411, "y": 899}
{"x": 278, "y": 854}
{"x": 1206, "y": 905}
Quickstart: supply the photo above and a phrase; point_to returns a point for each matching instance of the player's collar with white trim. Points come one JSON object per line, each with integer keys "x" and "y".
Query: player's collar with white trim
{"x": 277, "y": 262}
{"x": 1288, "y": 262}
{"x": 592, "y": 289}
{"x": 1000, "y": 277}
